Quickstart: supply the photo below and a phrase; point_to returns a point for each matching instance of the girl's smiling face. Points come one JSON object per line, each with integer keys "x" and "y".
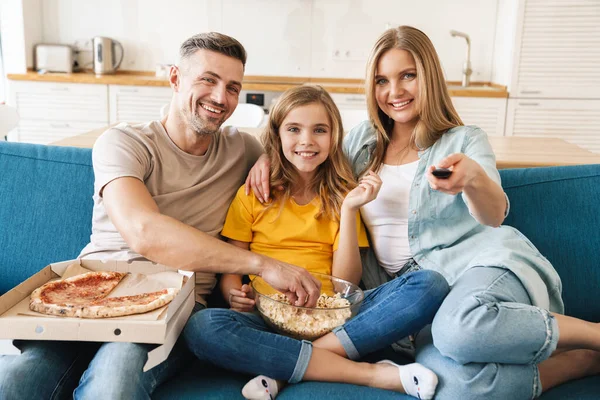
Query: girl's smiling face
{"x": 397, "y": 86}
{"x": 306, "y": 138}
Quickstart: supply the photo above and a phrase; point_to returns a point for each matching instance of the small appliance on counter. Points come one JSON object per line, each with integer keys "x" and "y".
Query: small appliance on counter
{"x": 103, "y": 49}
{"x": 53, "y": 58}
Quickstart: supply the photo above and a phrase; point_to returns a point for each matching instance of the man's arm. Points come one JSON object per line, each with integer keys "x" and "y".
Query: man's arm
{"x": 168, "y": 241}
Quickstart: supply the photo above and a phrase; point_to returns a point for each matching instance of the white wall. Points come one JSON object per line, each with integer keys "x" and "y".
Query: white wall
{"x": 321, "y": 38}
{"x": 13, "y": 35}
{"x": 504, "y": 46}
{"x": 21, "y": 23}
{"x": 32, "y": 17}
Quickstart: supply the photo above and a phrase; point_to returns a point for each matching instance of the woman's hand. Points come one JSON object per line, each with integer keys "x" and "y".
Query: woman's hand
{"x": 366, "y": 191}
{"x": 465, "y": 172}
{"x": 485, "y": 198}
{"x": 242, "y": 299}
{"x": 258, "y": 179}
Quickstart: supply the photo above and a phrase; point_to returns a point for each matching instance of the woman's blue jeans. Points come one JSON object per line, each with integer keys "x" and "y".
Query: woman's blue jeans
{"x": 487, "y": 339}
{"x": 243, "y": 342}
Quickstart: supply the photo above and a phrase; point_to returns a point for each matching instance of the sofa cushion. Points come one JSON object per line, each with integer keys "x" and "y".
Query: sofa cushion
{"x": 201, "y": 381}
{"x": 582, "y": 389}
{"x": 558, "y": 209}
{"x": 45, "y": 207}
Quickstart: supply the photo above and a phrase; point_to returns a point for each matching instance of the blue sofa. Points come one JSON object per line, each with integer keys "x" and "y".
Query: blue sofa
{"x": 46, "y": 212}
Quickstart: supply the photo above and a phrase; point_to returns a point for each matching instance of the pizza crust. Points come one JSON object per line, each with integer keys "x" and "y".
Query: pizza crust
{"x": 91, "y": 302}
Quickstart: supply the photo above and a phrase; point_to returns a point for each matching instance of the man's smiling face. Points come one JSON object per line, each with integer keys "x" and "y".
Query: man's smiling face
{"x": 210, "y": 85}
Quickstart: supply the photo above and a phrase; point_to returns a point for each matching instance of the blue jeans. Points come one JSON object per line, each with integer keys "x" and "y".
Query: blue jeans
{"x": 487, "y": 339}
{"x": 243, "y": 342}
{"x": 85, "y": 370}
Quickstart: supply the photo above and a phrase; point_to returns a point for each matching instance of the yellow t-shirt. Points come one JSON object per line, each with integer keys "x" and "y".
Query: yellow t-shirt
{"x": 294, "y": 236}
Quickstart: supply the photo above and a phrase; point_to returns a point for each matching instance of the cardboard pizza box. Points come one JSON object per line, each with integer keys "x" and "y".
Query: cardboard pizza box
{"x": 163, "y": 331}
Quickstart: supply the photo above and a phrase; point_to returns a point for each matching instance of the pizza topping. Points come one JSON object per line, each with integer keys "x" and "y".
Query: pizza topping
{"x": 80, "y": 289}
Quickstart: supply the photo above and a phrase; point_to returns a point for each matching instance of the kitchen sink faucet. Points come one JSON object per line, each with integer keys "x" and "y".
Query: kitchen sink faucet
{"x": 467, "y": 71}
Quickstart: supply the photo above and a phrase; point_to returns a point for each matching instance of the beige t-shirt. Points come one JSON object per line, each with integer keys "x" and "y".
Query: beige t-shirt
{"x": 195, "y": 190}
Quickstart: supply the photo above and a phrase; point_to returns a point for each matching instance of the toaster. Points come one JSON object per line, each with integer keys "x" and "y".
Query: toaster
{"x": 53, "y": 58}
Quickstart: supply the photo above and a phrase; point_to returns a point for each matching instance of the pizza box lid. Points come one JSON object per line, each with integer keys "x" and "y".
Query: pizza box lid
{"x": 163, "y": 331}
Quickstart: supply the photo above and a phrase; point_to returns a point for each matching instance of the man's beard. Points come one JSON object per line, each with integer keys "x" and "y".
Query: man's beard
{"x": 203, "y": 127}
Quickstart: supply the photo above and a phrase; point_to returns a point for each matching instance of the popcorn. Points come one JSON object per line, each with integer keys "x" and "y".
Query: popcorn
{"x": 306, "y": 323}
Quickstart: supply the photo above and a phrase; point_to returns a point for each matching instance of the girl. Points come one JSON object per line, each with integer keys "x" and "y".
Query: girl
{"x": 312, "y": 221}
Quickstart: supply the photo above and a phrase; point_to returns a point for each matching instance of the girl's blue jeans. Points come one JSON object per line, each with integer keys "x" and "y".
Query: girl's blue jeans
{"x": 242, "y": 342}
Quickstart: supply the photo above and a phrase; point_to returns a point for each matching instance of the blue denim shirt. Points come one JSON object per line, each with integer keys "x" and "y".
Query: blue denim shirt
{"x": 443, "y": 236}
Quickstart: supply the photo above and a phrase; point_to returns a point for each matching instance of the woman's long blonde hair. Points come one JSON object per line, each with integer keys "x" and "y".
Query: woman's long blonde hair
{"x": 334, "y": 177}
{"x": 435, "y": 109}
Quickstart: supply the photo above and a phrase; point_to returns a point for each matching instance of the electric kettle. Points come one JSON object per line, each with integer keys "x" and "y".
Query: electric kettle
{"x": 104, "y": 55}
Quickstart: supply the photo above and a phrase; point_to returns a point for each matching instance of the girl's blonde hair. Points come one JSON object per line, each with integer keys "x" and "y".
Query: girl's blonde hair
{"x": 334, "y": 177}
{"x": 435, "y": 109}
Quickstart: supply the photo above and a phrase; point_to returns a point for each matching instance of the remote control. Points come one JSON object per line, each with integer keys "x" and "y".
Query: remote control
{"x": 442, "y": 173}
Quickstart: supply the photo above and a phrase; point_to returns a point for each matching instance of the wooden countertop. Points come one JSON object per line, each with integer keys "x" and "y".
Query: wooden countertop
{"x": 511, "y": 151}
{"x": 265, "y": 83}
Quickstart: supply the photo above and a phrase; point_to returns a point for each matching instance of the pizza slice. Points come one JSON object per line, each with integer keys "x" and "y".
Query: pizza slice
{"x": 79, "y": 289}
{"x": 84, "y": 296}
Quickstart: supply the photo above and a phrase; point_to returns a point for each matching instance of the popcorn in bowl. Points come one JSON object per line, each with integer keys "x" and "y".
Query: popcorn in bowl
{"x": 338, "y": 302}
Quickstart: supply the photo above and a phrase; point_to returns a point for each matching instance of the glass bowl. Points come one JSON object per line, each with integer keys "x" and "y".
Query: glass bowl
{"x": 308, "y": 323}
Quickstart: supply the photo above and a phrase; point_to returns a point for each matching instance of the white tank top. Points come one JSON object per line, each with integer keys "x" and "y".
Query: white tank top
{"x": 386, "y": 217}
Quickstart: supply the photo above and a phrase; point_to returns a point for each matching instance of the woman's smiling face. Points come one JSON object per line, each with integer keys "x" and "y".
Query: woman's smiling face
{"x": 397, "y": 86}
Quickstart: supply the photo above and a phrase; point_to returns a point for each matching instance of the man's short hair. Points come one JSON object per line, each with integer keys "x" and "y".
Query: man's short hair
{"x": 216, "y": 42}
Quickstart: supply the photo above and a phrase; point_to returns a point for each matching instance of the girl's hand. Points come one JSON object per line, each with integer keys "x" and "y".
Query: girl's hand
{"x": 258, "y": 179}
{"x": 242, "y": 299}
{"x": 465, "y": 172}
{"x": 366, "y": 191}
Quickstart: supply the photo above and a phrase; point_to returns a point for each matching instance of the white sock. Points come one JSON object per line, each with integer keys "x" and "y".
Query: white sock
{"x": 418, "y": 381}
{"x": 260, "y": 388}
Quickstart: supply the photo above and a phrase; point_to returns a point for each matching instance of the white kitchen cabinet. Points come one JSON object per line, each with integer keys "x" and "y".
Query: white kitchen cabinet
{"x": 353, "y": 108}
{"x": 555, "y": 80}
{"x": 556, "y": 51}
{"x": 576, "y": 121}
{"x": 488, "y": 113}
{"x": 137, "y": 103}
{"x": 52, "y": 111}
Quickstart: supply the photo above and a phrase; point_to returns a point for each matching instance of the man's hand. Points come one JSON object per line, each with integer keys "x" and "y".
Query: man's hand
{"x": 242, "y": 299}
{"x": 258, "y": 179}
{"x": 297, "y": 284}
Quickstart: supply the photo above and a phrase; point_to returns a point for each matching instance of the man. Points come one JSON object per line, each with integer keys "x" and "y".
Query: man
{"x": 161, "y": 192}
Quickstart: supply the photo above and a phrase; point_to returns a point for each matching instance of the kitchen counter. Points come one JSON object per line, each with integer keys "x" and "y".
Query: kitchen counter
{"x": 263, "y": 83}
{"x": 511, "y": 151}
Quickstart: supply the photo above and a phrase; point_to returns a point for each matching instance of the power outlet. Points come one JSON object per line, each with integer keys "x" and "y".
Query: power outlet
{"x": 83, "y": 54}
{"x": 349, "y": 55}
